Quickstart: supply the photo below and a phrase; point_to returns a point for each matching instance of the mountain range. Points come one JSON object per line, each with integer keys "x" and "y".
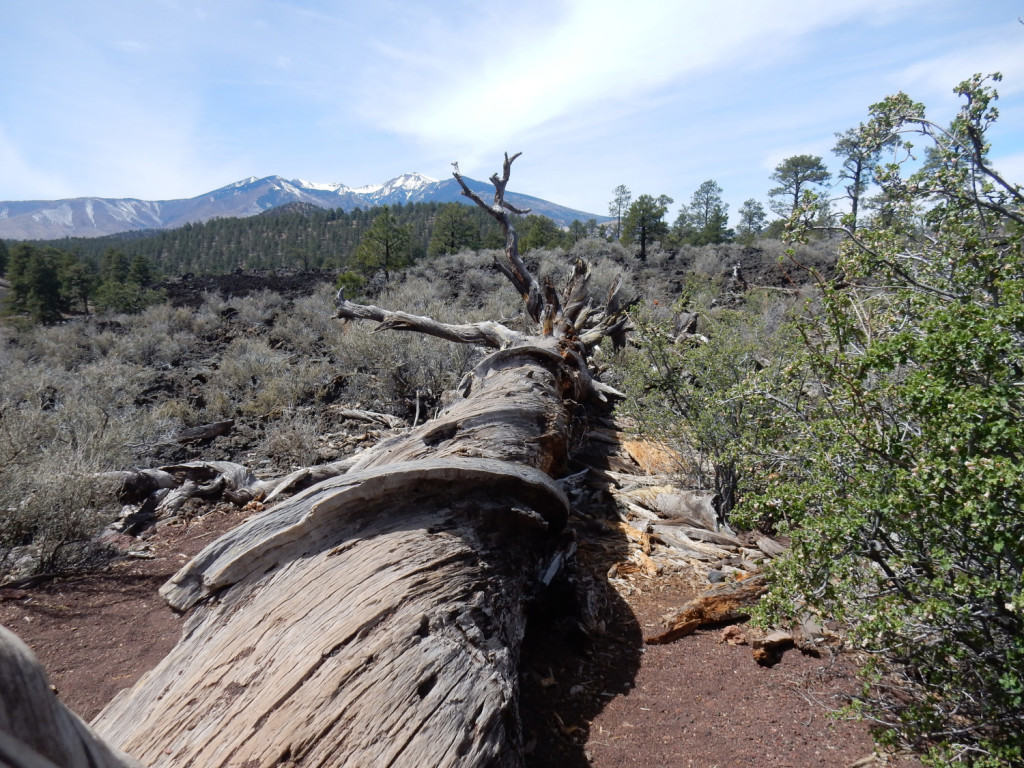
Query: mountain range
{"x": 96, "y": 216}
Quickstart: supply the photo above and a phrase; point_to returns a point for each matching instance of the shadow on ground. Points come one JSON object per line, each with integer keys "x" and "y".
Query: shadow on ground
{"x": 583, "y": 643}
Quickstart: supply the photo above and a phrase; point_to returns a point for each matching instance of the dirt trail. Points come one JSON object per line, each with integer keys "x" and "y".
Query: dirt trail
{"x": 603, "y": 702}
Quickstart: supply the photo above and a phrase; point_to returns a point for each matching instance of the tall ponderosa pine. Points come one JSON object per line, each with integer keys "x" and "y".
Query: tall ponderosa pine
{"x": 706, "y": 219}
{"x": 795, "y": 175}
{"x": 618, "y": 206}
{"x": 859, "y": 161}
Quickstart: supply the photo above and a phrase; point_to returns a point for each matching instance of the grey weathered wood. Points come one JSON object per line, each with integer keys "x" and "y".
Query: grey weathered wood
{"x": 36, "y": 729}
{"x": 376, "y": 617}
{"x": 486, "y": 333}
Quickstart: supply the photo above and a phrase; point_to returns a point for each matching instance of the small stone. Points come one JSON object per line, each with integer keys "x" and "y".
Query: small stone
{"x": 733, "y": 635}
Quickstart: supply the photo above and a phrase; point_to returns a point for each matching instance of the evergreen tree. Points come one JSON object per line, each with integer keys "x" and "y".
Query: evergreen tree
{"x": 35, "y": 285}
{"x": 77, "y": 282}
{"x": 4, "y": 255}
{"x": 538, "y": 232}
{"x": 577, "y": 231}
{"x": 618, "y": 206}
{"x": 385, "y": 245}
{"x": 706, "y": 219}
{"x": 752, "y": 220}
{"x": 795, "y": 175}
{"x": 114, "y": 266}
{"x": 859, "y": 161}
{"x": 454, "y": 229}
{"x": 17, "y": 275}
{"x": 645, "y": 222}
{"x": 140, "y": 271}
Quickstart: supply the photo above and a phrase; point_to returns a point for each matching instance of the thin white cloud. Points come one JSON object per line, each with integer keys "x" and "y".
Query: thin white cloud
{"x": 1002, "y": 51}
{"x": 595, "y": 55}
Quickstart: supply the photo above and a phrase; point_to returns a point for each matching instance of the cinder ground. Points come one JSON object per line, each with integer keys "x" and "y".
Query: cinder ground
{"x": 604, "y": 701}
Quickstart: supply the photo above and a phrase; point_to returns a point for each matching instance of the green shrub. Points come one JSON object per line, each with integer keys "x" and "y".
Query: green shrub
{"x": 127, "y": 298}
{"x": 904, "y": 491}
{"x": 714, "y": 398}
{"x": 351, "y": 284}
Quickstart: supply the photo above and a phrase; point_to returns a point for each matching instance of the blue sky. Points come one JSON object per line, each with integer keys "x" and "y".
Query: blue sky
{"x": 160, "y": 99}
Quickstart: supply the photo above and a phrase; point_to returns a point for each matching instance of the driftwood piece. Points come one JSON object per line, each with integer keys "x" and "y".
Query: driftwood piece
{"x": 488, "y": 333}
{"x": 768, "y": 649}
{"x": 725, "y": 602}
{"x": 205, "y": 431}
{"x": 36, "y": 729}
{"x": 694, "y": 508}
{"x": 709, "y": 536}
{"x": 385, "y": 419}
{"x": 770, "y": 547}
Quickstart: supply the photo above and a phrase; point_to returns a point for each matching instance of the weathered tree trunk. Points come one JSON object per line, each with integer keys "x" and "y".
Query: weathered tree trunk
{"x": 36, "y": 730}
{"x": 376, "y": 617}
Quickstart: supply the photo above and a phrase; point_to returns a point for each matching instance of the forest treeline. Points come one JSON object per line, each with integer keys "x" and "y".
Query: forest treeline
{"x": 50, "y": 279}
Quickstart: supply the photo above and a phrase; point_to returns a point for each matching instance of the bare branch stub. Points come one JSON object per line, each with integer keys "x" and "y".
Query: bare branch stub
{"x": 568, "y": 315}
{"x": 513, "y": 267}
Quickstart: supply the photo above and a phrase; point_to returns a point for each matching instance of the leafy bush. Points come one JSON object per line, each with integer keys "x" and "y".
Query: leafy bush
{"x": 713, "y": 397}
{"x": 904, "y": 490}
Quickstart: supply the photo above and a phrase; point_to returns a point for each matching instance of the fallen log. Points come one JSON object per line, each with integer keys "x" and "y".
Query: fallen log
{"x": 376, "y": 617}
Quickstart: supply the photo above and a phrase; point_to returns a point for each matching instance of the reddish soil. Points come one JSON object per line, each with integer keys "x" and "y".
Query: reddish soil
{"x": 603, "y": 700}
{"x": 97, "y": 633}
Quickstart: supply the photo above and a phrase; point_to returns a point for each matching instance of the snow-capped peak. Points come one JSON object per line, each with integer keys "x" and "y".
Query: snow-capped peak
{"x": 319, "y": 185}
{"x": 409, "y": 182}
{"x": 405, "y": 186}
{"x": 367, "y": 189}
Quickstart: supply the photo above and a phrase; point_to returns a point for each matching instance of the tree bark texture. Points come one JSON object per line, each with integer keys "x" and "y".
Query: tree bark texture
{"x": 375, "y": 618}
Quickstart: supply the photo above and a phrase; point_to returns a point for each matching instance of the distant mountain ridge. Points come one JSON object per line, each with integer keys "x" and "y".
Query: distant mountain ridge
{"x": 97, "y": 216}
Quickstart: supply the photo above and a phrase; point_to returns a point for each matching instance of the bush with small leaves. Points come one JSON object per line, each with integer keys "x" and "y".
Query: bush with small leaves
{"x": 903, "y": 492}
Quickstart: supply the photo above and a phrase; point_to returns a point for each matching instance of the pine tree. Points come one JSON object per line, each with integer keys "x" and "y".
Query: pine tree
{"x": 385, "y": 245}
{"x": 645, "y": 222}
{"x": 454, "y": 229}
